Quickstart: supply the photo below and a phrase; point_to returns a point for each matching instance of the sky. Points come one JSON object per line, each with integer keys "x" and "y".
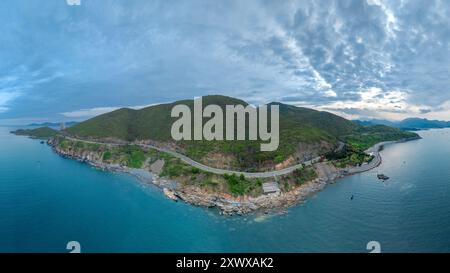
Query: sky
{"x": 360, "y": 59}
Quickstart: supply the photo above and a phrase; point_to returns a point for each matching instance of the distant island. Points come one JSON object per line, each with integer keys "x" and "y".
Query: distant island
{"x": 41, "y": 132}
{"x": 44, "y": 130}
{"x": 315, "y": 148}
{"x": 407, "y": 124}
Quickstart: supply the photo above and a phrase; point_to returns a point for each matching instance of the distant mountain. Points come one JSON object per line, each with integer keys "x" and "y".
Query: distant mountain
{"x": 304, "y": 133}
{"x": 424, "y": 123}
{"x": 53, "y": 124}
{"x": 409, "y": 123}
{"x": 375, "y": 122}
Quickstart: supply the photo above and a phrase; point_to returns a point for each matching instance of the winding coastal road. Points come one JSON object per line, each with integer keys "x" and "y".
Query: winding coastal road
{"x": 205, "y": 168}
{"x": 374, "y": 150}
{"x": 376, "y": 161}
{"x": 246, "y": 174}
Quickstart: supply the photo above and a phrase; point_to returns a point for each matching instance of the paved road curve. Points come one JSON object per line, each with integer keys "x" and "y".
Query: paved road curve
{"x": 376, "y": 161}
{"x": 211, "y": 169}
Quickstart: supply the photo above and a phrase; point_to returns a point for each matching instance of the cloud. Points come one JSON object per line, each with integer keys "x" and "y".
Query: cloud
{"x": 374, "y": 57}
{"x": 330, "y": 93}
{"x": 375, "y": 102}
{"x": 92, "y": 112}
{"x": 441, "y": 112}
{"x": 6, "y": 98}
{"x": 84, "y": 113}
{"x": 391, "y": 21}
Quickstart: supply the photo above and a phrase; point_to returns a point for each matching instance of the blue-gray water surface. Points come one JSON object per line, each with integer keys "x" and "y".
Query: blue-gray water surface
{"x": 46, "y": 201}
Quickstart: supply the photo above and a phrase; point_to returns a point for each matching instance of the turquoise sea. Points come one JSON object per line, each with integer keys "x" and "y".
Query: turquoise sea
{"x": 46, "y": 201}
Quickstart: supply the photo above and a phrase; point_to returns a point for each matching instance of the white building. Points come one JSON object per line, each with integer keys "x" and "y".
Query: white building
{"x": 271, "y": 187}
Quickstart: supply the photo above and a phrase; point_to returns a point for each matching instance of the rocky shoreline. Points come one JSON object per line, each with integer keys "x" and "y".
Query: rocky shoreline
{"x": 266, "y": 203}
{"x": 227, "y": 204}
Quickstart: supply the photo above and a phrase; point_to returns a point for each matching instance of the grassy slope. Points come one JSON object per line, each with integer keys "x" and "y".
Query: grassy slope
{"x": 368, "y": 136}
{"x": 153, "y": 122}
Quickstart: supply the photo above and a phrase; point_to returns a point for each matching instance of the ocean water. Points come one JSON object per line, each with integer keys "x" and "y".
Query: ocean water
{"x": 46, "y": 201}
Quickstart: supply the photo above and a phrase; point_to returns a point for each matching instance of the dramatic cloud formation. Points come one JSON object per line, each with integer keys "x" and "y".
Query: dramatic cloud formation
{"x": 91, "y": 112}
{"x": 373, "y": 58}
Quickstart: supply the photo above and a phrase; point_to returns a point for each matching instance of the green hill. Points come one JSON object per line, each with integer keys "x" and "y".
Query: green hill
{"x": 153, "y": 122}
{"x": 330, "y": 123}
{"x": 304, "y": 133}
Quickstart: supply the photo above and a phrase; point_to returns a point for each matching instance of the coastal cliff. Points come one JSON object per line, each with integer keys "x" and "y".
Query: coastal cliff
{"x": 195, "y": 194}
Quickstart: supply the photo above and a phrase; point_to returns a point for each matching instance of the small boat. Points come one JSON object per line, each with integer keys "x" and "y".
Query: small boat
{"x": 351, "y": 198}
{"x": 382, "y": 177}
{"x": 42, "y": 142}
